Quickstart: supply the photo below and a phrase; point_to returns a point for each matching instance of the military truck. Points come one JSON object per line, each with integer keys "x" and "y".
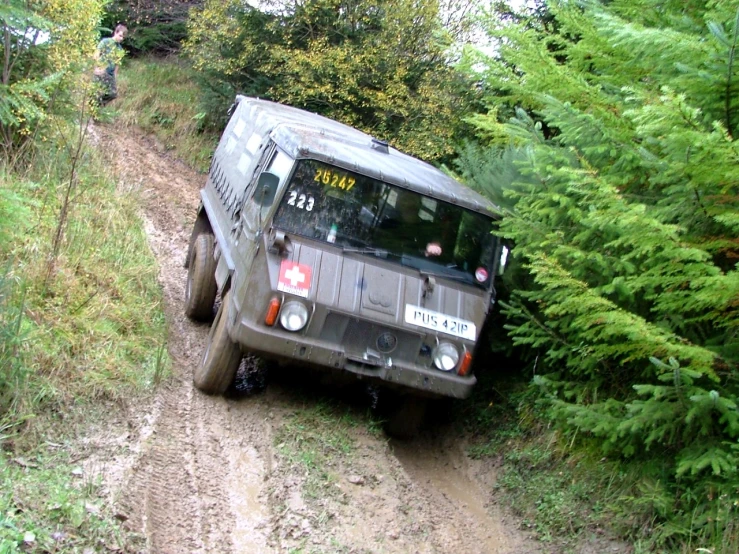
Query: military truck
{"x": 332, "y": 249}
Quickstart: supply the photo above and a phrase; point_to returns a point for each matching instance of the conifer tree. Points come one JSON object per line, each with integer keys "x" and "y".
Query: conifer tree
{"x": 626, "y": 214}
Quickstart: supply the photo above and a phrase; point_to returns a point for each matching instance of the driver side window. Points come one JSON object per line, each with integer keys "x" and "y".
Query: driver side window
{"x": 280, "y": 165}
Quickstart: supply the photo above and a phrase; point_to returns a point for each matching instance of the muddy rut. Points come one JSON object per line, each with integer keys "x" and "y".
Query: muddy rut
{"x": 197, "y": 474}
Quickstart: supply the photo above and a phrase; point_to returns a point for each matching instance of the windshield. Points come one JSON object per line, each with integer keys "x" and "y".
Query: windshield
{"x": 369, "y": 217}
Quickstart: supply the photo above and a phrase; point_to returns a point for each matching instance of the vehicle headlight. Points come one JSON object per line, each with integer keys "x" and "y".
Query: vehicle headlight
{"x": 294, "y": 316}
{"x": 446, "y": 356}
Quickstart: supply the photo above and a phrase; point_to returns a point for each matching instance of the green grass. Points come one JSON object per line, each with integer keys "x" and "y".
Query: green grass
{"x": 559, "y": 496}
{"x": 161, "y": 97}
{"x": 14, "y": 373}
{"x": 317, "y": 437}
{"x": 81, "y": 333}
{"x": 48, "y": 505}
{"x": 96, "y": 329}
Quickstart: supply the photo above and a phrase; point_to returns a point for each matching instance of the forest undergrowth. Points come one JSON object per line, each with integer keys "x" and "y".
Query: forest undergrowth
{"x": 81, "y": 328}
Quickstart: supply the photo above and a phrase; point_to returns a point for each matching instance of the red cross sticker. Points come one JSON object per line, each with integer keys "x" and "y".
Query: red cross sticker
{"x": 294, "y": 278}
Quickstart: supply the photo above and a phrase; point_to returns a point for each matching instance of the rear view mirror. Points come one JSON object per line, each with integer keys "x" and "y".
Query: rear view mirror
{"x": 503, "y": 260}
{"x": 266, "y": 189}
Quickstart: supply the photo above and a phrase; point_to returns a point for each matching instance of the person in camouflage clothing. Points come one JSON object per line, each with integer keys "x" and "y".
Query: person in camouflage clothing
{"x": 108, "y": 57}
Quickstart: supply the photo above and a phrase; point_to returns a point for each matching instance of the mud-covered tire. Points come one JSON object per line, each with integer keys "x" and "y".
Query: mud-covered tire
{"x": 405, "y": 419}
{"x": 201, "y": 289}
{"x": 221, "y": 358}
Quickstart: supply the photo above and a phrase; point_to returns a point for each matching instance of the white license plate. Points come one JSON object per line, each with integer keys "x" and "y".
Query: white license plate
{"x": 415, "y": 315}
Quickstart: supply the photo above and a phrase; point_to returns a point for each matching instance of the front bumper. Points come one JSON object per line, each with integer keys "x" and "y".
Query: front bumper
{"x": 275, "y": 342}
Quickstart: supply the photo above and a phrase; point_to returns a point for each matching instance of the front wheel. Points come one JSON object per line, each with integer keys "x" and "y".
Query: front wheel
{"x": 201, "y": 290}
{"x": 222, "y": 356}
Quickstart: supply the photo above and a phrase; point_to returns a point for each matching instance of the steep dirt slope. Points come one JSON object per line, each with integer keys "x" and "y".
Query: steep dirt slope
{"x": 196, "y": 473}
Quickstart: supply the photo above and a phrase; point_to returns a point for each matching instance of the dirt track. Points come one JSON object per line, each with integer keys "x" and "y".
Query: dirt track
{"x": 206, "y": 474}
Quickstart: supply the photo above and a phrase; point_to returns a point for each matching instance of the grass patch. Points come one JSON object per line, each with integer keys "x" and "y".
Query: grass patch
{"x": 316, "y": 441}
{"x": 83, "y": 331}
{"x": 47, "y": 505}
{"x": 14, "y": 374}
{"x": 317, "y": 438}
{"x": 96, "y": 329}
{"x": 558, "y": 495}
{"x": 168, "y": 110}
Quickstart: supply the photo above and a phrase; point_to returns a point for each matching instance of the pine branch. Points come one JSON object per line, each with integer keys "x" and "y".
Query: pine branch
{"x": 732, "y": 52}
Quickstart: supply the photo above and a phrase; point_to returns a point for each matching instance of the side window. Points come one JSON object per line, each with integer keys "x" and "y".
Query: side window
{"x": 243, "y": 155}
{"x": 280, "y": 164}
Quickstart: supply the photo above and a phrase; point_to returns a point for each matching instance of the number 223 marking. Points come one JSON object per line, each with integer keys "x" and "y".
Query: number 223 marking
{"x": 331, "y": 178}
{"x": 300, "y": 201}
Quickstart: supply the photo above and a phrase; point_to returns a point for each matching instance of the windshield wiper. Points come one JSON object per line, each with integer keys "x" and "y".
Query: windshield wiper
{"x": 377, "y": 252}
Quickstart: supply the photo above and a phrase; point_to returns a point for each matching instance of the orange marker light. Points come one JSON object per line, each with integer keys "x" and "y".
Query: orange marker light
{"x": 272, "y": 311}
{"x": 464, "y": 367}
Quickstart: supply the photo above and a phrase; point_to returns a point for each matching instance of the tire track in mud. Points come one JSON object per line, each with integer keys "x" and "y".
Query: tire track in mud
{"x": 183, "y": 492}
{"x": 169, "y": 467}
{"x": 205, "y": 475}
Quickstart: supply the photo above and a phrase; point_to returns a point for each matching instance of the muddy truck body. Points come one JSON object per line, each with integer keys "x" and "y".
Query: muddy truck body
{"x": 332, "y": 249}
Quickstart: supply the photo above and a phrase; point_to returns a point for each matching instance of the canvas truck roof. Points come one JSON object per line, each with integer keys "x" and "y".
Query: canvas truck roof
{"x": 304, "y": 134}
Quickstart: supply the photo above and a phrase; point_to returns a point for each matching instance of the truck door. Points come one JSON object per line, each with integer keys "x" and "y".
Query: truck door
{"x": 253, "y": 214}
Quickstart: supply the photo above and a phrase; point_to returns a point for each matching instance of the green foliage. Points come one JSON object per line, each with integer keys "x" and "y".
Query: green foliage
{"x": 620, "y": 183}
{"x": 45, "y": 52}
{"x": 491, "y": 172}
{"x": 168, "y": 110}
{"x": 20, "y": 28}
{"x": 13, "y": 371}
{"x": 382, "y": 67}
{"x": 14, "y": 214}
{"x": 155, "y": 26}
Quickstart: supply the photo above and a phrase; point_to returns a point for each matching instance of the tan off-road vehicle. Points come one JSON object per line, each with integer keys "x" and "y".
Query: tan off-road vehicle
{"x": 332, "y": 249}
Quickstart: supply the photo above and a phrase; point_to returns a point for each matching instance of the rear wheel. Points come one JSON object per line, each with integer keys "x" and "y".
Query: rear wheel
{"x": 201, "y": 290}
{"x": 222, "y": 356}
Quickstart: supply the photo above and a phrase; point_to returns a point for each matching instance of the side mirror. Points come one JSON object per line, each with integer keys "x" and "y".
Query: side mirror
{"x": 503, "y": 260}
{"x": 266, "y": 189}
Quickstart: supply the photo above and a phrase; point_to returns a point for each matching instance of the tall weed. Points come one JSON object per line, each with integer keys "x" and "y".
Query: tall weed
{"x": 97, "y": 328}
{"x": 14, "y": 214}
{"x": 13, "y": 371}
{"x": 95, "y": 331}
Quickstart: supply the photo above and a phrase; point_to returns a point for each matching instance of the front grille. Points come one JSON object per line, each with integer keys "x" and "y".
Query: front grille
{"x": 358, "y": 336}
